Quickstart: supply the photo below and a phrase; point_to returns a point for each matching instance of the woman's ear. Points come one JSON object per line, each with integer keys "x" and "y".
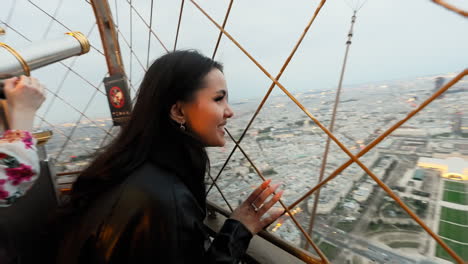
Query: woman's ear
{"x": 177, "y": 113}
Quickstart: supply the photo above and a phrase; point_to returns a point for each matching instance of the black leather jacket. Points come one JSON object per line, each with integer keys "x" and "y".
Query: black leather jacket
{"x": 151, "y": 218}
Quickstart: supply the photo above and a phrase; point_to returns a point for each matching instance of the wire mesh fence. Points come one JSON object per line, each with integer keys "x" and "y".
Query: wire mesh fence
{"x": 346, "y": 162}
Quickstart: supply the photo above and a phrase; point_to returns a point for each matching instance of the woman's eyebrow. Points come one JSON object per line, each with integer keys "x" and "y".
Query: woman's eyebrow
{"x": 223, "y": 92}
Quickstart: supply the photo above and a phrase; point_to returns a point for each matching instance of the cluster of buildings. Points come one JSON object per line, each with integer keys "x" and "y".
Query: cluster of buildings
{"x": 283, "y": 139}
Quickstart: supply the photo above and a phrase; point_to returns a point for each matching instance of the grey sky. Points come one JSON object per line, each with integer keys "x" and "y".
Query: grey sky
{"x": 394, "y": 39}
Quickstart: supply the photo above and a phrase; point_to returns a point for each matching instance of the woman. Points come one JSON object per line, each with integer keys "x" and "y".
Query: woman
{"x": 19, "y": 161}
{"x": 143, "y": 199}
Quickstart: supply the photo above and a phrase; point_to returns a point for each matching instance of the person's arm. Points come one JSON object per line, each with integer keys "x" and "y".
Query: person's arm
{"x": 19, "y": 165}
{"x": 24, "y": 96}
{"x": 230, "y": 244}
{"x": 232, "y": 241}
{"x": 170, "y": 229}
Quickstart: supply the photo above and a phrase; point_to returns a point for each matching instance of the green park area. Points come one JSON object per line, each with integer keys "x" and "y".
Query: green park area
{"x": 453, "y": 231}
{"x": 455, "y": 186}
{"x": 456, "y": 197}
{"x": 461, "y": 250}
{"x": 330, "y": 250}
{"x": 454, "y": 215}
{"x": 453, "y": 222}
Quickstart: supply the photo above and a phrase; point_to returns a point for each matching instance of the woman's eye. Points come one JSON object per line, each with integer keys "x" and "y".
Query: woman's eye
{"x": 217, "y": 99}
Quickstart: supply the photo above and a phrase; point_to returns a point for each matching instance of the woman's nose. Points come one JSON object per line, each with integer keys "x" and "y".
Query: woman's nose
{"x": 228, "y": 113}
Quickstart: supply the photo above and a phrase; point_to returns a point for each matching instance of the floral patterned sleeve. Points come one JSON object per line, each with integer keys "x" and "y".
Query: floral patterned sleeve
{"x": 19, "y": 165}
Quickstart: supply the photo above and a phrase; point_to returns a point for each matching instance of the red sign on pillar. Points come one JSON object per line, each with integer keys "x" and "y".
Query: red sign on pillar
{"x": 118, "y": 97}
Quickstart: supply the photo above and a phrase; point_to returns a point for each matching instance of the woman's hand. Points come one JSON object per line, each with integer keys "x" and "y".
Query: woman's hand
{"x": 24, "y": 96}
{"x": 250, "y": 212}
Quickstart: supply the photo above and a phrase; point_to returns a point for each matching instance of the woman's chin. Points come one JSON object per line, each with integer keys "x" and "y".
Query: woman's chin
{"x": 218, "y": 143}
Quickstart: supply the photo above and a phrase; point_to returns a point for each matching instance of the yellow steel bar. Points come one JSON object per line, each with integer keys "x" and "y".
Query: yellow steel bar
{"x": 332, "y": 123}
{"x": 178, "y": 24}
{"x": 276, "y": 82}
{"x": 287, "y": 210}
{"x": 223, "y": 26}
{"x": 212, "y": 57}
{"x": 286, "y": 63}
{"x": 378, "y": 140}
{"x": 383, "y": 136}
{"x": 451, "y": 7}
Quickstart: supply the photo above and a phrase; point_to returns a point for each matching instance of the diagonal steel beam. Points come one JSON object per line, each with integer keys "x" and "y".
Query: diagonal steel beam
{"x": 223, "y": 26}
{"x": 178, "y": 24}
{"x": 332, "y": 124}
{"x": 308, "y": 238}
{"x": 451, "y": 7}
{"x": 270, "y": 89}
{"x": 212, "y": 57}
{"x": 378, "y": 181}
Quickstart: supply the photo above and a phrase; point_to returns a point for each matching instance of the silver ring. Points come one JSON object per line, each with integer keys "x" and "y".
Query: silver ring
{"x": 254, "y": 207}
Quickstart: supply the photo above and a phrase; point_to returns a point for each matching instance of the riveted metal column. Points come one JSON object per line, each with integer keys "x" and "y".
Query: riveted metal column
{"x": 116, "y": 84}
{"x": 110, "y": 42}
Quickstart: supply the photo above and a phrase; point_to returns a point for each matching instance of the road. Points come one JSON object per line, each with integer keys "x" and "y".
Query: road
{"x": 359, "y": 246}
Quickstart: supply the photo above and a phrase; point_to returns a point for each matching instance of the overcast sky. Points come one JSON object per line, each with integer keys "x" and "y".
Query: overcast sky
{"x": 393, "y": 39}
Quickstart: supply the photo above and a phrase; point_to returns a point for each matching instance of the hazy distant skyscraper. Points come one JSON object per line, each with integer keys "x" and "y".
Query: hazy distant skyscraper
{"x": 439, "y": 81}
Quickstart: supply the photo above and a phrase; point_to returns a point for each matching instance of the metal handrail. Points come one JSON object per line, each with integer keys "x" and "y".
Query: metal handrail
{"x": 280, "y": 243}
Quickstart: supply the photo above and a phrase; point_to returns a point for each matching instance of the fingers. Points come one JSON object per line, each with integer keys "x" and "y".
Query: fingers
{"x": 251, "y": 216}
{"x": 270, "y": 203}
{"x": 262, "y": 197}
{"x": 24, "y": 80}
{"x": 253, "y": 196}
{"x": 35, "y": 82}
{"x": 10, "y": 83}
{"x": 275, "y": 213}
{"x": 42, "y": 89}
{"x": 24, "y": 94}
{"x": 17, "y": 82}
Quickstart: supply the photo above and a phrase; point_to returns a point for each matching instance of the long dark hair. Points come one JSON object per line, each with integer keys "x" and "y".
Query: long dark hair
{"x": 151, "y": 135}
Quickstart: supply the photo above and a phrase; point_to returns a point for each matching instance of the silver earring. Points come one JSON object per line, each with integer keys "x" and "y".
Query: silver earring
{"x": 182, "y": 127}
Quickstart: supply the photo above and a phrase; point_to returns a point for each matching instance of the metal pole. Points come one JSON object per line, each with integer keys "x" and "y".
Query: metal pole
{"x": 331, "y": 127}
{"x": 110, "y": 42}
{"x": 116, "y": 84}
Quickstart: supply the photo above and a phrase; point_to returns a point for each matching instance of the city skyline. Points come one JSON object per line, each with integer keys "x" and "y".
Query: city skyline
{"x": 391, "y": 41}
